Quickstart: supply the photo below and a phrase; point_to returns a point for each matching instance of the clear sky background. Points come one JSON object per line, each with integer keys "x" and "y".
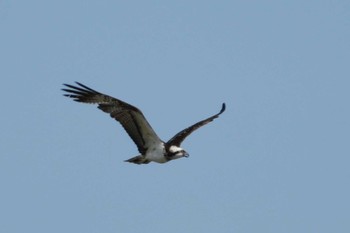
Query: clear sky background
{"x": 276, "y": 161}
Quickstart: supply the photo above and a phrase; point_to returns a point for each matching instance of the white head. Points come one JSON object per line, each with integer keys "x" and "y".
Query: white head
{"x": 176, "y": 152}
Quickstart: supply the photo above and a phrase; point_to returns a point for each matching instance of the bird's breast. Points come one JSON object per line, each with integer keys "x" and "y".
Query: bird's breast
{"x": 156, "y": 153}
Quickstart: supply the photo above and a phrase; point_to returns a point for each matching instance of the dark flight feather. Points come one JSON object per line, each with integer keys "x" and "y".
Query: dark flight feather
{"x": 179, "y": 137}
{"x": 130, "y": 117}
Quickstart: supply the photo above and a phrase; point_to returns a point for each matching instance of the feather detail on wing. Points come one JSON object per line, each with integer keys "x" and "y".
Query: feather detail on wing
{"x": 179, "y": 137}
{"x": 130, "y": 117}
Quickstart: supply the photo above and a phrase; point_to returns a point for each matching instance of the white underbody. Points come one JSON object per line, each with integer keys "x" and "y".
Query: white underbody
{"x": 156, "y": 153}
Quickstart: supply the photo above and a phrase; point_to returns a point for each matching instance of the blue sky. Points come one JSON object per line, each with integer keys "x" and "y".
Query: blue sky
{"x": 276, "y": 161}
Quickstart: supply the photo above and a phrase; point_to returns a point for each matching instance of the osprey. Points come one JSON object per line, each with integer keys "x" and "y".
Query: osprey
{"x": 151, "y": 147}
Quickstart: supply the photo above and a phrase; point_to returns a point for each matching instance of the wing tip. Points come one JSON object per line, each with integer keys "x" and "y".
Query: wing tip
{"x": 223, "y": 108}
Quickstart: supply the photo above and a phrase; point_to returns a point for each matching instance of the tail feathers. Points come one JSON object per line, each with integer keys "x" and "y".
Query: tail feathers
{"x": 138, "y": 160}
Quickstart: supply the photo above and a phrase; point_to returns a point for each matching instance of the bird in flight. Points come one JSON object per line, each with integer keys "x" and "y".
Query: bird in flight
{"x": 151, "y": 147}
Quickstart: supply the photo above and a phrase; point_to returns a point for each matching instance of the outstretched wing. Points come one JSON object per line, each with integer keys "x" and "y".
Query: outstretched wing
{"x": 130, "y": 117}
{"x": 179, "y": 137}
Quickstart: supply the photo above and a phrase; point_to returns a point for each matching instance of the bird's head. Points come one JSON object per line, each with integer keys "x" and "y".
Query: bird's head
{"x": 175, "y": 152}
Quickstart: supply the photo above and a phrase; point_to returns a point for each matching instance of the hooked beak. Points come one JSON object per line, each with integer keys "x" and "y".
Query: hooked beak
{"x": 186, "y": 155}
